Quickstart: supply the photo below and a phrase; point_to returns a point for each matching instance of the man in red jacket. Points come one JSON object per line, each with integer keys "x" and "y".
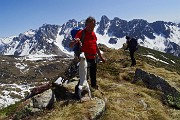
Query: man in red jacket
{"x": 90, "y": 48}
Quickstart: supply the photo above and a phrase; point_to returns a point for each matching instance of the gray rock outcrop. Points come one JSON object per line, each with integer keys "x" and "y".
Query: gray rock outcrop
{"x": 152, "y": 81}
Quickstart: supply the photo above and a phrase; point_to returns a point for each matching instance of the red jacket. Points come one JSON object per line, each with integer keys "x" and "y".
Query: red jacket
{"x": 89, "y": 46}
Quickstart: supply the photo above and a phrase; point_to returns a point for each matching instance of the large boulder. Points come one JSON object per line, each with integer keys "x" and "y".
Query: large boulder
{"x": 152, "y": 81}
{"x": 35, "y": 104}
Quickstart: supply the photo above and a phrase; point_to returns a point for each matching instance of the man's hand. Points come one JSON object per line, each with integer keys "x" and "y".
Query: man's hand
{"x": 76, "y": 40}
{"x": 73, "y": 42}
{"x": 103, "y": 60}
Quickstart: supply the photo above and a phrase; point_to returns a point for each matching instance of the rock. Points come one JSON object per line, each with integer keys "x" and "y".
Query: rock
{"x": 152, "y": 81}
{"x": 44, "y": 100}
{"x": 35, "y": 104}
{"x": 97, "y": 110}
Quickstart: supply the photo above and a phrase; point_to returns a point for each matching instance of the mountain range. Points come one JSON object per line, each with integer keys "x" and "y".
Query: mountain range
{"x": 54, "y": 39}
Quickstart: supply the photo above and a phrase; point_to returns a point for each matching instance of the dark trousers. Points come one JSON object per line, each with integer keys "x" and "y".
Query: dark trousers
{"x": 133, "y": 60}
{"x": 92, "y": 68}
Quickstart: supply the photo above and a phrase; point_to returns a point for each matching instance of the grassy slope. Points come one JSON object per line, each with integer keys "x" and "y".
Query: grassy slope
{"x": 123, "y": 99}
{"x": 135, "y": 101}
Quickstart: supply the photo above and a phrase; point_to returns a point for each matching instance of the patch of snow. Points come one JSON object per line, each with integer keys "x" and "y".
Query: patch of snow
{"x": 59, "y": 81}
{"x": 21, "y": 65}
{"x": 173, "y": 61}
{"x": 150, "y": 56}
{"x": 6, "y": 99}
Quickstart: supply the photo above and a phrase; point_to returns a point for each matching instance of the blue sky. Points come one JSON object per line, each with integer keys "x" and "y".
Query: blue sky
{"x": 18, "y": 16}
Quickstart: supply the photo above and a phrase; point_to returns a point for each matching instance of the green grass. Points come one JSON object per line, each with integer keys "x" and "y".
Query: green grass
{"x": 7, "y": 112}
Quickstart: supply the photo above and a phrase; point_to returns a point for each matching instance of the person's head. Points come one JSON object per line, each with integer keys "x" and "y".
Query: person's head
{"x": 127, "y": 38}
{"x": 90, "y": 24}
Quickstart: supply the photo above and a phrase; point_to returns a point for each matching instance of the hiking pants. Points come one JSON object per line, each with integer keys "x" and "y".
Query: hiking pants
{"x": 92, "y": 68}
{"x": 133, "y": 61}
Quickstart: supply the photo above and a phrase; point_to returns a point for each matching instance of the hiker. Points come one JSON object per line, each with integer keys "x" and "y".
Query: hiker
{"x": 89, "y": 47}
{"x": 132, "y": 46}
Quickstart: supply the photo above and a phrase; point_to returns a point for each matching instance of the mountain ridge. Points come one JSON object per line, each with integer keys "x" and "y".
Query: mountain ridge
{"x": 158, "y": 35}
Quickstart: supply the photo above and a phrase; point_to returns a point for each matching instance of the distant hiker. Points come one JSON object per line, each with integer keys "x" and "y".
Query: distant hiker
{"x": 89, "y": 47}
{"x": 132, "y": 46}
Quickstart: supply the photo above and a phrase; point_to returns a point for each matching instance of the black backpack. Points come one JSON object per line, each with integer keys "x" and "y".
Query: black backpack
{"x": 133, "y": 44}
{"x": 77, "y": 47}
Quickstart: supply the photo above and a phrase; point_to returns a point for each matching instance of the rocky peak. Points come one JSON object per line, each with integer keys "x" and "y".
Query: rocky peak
{"x": 47, "y": 31}
{"x": 161, "y": 28}
{"x": 118, "y": 27}
{"x": 103, "y": 25}
{"x": 139, "y": 26}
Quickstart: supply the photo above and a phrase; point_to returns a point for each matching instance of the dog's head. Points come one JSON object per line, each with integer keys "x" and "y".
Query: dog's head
{"x": 82, "y": 56}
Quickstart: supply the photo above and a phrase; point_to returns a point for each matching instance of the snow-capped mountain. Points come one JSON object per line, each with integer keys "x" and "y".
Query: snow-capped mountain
{"x": 44, "y": 40}
{"x": 54, "y": 39}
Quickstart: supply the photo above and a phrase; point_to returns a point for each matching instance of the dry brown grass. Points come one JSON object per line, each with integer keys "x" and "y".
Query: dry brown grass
{"x": 124, "y": 101}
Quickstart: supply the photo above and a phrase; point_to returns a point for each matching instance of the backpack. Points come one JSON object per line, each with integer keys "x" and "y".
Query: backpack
{"x": 77, "y": 47}
{"x": 133, "y": 44}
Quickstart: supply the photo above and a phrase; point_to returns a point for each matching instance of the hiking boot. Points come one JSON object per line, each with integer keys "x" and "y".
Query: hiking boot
{"x": 133, "y": 65}
{"x": 134, "y": 81}
{"x": 95, "y": 87}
